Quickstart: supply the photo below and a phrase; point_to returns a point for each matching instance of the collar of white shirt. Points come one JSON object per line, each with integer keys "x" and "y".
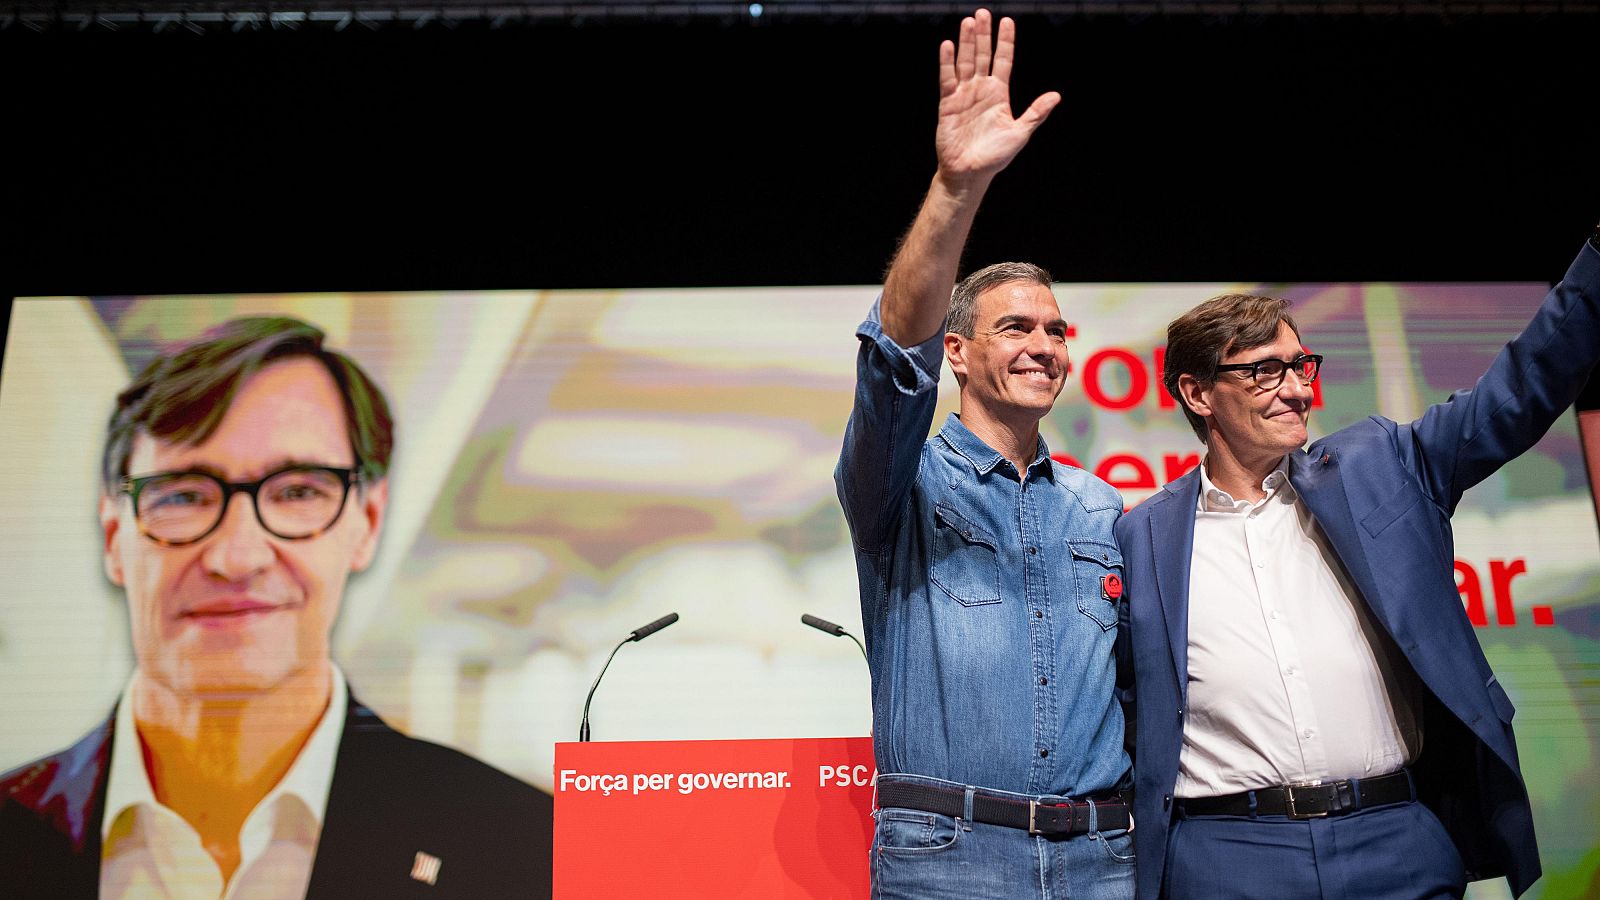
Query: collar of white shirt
{"x": 307, "y": 780}
{"x": 1214, "y": 499}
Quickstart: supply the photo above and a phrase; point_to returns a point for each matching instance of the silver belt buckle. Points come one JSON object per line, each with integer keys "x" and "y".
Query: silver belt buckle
{"x": 1033, "y": 814}
{"x": 1289, "y": 801}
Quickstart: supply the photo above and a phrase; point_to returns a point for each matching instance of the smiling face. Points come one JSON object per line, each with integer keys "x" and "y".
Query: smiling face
{"x": 241, "y": 611}
{"x": 1253, "y": 425}
{"x": 1015, "y": 364}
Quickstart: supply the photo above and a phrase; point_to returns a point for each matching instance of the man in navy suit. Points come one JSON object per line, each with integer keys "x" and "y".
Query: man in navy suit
{"x": 245, "y": 479}
{"x": 1314, "y": 715}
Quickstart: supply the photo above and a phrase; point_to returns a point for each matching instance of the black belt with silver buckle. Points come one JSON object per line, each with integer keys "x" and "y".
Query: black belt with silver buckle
{"x": 1307, "y": 801}
{"x": 1065, "y": 817}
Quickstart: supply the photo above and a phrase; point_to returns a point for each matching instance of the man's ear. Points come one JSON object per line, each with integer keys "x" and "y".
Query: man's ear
{"x": 1195, "y": 395}
{"x": 111, "y": 535}
{"x": 955, "y": 350}
{"x": 374, "y": 502}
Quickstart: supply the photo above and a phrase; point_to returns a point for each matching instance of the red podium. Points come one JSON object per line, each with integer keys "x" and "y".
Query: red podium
{"x": 695, "y": 819}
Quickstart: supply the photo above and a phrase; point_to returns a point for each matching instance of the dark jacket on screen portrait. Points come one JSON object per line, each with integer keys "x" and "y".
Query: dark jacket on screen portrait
{"x": 391, "y": 798}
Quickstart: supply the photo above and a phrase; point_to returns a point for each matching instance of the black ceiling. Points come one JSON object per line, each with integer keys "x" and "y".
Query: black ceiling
{"x": 697, "y": 152}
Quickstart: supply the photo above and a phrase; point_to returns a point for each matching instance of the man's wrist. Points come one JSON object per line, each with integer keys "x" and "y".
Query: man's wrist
{"x": 963, "y": 186}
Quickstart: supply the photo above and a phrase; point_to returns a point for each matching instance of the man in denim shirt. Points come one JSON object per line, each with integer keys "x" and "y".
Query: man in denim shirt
{"x": 989, "y": 574}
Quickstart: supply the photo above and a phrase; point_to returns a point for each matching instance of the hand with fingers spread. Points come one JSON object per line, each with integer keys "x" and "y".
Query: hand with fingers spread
{"x": 976, "y": 138}
{"x": 977, "y": 135}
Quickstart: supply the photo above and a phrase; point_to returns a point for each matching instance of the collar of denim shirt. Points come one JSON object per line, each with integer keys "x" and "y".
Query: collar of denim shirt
{"x": 984, "y": 458}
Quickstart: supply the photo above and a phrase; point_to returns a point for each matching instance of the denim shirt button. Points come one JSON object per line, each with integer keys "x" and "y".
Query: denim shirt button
{"x": 1038, "y": 614}
{"x": 1043, "y": 752}
{"x": 1033, "y": 549}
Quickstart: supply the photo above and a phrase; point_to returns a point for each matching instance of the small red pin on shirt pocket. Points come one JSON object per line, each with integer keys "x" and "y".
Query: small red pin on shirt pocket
{"x": 1111, "y": 588}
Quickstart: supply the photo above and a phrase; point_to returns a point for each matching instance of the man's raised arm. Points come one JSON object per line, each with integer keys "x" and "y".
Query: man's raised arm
{"x": 975, "y": 139}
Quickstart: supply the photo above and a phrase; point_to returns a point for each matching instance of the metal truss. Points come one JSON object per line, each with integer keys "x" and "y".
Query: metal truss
{"x": 338, "y": 15}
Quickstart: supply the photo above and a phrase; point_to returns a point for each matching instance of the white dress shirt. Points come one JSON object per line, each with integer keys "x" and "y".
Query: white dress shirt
{"x": 1290, "y": 681}
{"x": 149, "y": 851}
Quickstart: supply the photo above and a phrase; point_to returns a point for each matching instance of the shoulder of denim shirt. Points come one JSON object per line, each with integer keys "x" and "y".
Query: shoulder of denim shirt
{"x": 925, "y": 358}
{"x": 1092, "y": 492}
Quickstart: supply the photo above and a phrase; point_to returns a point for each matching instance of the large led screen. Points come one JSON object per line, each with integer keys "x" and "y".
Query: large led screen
{"x": 572, "y": 465}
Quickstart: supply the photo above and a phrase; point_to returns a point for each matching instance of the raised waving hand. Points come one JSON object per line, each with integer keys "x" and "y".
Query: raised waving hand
{"x": 976, "y": 137}
{"x": 977, "y": 134}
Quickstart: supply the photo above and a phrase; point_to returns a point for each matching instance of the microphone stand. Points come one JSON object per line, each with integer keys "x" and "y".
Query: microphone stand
{"x": 638, "y": 634}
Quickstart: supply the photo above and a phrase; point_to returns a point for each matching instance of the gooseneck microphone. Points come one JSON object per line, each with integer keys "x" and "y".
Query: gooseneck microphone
{"x": 835, "y": 630}
{"x": 638, "y": 634}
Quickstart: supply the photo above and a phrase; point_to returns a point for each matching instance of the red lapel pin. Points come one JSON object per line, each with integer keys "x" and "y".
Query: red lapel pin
{"x": 1111, "y": 587}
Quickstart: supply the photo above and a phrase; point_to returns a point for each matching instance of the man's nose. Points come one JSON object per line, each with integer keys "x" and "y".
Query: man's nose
{"x": 1041, "y": 344}
{"x": 1294, "y": 389}
{"x": 239, "y": 547}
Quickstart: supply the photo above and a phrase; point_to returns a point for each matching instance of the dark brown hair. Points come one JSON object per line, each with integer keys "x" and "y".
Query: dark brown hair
{"x": 1199, "y": 339}
{"x": 182, "y": 395}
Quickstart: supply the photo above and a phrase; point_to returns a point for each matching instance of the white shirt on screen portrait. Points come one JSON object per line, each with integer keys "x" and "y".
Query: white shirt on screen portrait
{"x": 1289, "y": 679}
{"x": 149, "y": 851}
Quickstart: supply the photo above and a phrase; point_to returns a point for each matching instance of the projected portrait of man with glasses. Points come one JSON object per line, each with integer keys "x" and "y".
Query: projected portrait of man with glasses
{"x": 244, "y": 479}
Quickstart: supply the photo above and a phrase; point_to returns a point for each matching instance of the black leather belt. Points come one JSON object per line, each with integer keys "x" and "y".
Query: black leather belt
{"x": 1307, "y": 801}
{"x": 1063, "y": 817}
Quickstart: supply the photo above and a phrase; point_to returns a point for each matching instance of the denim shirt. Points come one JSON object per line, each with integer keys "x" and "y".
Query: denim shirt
{"x": 989, "y": 631}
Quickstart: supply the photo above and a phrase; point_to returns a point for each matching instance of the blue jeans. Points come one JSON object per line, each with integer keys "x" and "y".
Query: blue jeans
{"x": 918, "y": 855}
{"x": 1398, "y": 852}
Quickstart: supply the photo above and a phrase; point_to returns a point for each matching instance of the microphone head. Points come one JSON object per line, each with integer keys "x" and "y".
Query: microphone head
{"x": 653, "y": 627}
{"x": 822, "y": 625}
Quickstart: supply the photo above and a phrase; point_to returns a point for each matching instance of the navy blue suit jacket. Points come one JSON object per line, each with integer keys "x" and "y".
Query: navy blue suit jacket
{"x": 391, "y": 797}
{"x": 1383, "y": 493}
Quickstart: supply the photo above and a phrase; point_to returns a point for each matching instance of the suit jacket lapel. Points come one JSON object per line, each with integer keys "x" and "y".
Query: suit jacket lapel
{"x": 50, "y": 825}
{"x": 1172, "y": 542}
{"x": 1318, "y": 482}
{"x": 353, "y": 818}
{"x": 85, "y": 768}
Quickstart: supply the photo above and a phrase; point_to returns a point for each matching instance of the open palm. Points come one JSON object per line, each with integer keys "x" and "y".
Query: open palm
{"x": 977, "y": 134}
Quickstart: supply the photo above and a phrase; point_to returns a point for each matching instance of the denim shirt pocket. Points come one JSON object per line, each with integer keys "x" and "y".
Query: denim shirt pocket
{"x": 966, "y": 563}
{"x": 1097, "y": 573}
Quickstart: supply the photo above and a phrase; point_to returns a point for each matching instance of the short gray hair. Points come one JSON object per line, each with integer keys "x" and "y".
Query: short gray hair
{"x": 964, "y": 301}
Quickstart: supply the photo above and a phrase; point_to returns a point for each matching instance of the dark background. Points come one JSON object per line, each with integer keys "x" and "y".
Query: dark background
{"x": 1238, "y": 148}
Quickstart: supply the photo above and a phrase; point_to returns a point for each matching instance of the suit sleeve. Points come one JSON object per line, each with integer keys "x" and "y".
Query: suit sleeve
{"x": 896, "y": 390}
{"x": 1531, "y": 382}
{"x": 1123, "y": 648}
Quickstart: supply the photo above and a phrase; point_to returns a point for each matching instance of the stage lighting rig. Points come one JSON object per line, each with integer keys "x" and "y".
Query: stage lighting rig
{"x": 202, "y": 16}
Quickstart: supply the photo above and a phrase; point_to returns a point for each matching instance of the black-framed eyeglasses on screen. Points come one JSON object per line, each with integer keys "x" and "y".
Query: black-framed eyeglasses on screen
{"x": 293, "y": 503}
